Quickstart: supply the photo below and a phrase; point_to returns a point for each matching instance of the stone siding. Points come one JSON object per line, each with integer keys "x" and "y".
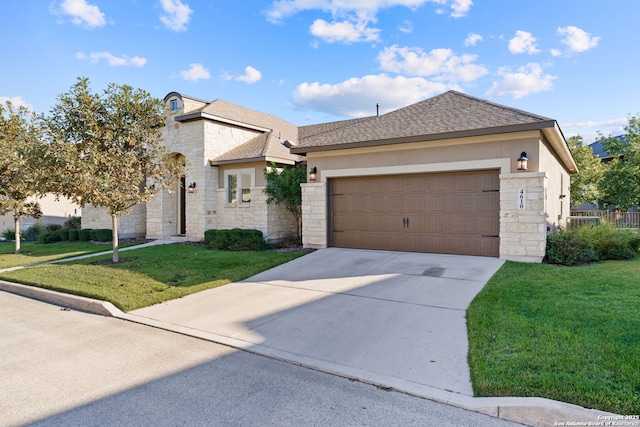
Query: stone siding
{"x": 132, "y": 225}
{"x": 523, "y": 230}
{"x": 314, "y": 215}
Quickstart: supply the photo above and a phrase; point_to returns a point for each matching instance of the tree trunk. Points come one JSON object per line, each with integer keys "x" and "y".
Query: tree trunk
{"x": 16, "y": 221}
{"x": 114, "y": 227}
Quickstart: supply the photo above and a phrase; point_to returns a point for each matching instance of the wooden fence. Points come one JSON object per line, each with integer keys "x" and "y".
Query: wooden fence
{"x": 619, "y": 219}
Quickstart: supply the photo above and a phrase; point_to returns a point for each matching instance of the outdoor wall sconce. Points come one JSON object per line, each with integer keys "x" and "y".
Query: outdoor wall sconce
{"x": 522, "y": 162}
{"x": 313, "y": 173}
{"x": 192, "y": 187}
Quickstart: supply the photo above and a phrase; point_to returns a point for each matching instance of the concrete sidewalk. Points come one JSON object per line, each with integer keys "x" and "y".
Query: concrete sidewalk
{"x": 393, "y": 319}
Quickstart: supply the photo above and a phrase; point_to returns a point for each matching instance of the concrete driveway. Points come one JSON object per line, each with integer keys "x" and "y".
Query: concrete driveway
{"x": 392, "y": 318}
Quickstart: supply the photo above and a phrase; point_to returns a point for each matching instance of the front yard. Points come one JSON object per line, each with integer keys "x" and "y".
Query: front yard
{"x": 148, "y": 275}
{"x": 566, "y": 333}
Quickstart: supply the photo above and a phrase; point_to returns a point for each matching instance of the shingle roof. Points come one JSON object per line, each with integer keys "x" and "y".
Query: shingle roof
{"x": 444, "y": 115}
{"x": 266, "y": 146}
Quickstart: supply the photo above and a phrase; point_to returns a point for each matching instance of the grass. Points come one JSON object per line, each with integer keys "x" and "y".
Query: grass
{"x": 565, "y": 333}
{"x": 149, "y": 275}
{"x": 34, "y": 253}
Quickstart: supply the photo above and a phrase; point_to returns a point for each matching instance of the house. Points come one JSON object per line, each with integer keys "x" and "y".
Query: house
{"x": 226, "y": 148}
{"x": 55, "y": 210}
{"x": 452, "y": 174}
{"x": 442, "y": 175}
{"x": 599, "y": 151}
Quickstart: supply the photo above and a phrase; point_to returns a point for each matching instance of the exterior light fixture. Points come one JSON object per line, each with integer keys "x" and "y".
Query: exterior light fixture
{"x": 313, "y": 173}
{"x": 192, "y": 187}
{"x": 522, "y": 162}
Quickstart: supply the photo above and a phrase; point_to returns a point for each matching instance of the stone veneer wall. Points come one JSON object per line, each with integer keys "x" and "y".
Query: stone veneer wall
{"x": 523, "y": 231}
{"x": 274, "y": 221}
{"x": 132, "y": 225}
{"x": 314, "y": 215}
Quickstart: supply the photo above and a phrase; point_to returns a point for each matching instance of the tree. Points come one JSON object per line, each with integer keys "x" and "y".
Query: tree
{"x": 621, "y": 183}
{"x": 585, "y": 185}
{"x": 107, "y": 150}
{"x": 20, "y": 145}
{"x": 283, "y": 188}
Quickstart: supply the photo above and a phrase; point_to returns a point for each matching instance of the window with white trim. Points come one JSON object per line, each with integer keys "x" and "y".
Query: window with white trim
{"x": 238, "y": 185}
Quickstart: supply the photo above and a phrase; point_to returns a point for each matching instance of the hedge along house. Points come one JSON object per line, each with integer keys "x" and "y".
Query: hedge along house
{"x": 442, "y": 175}
{"x": 226, "y": 148}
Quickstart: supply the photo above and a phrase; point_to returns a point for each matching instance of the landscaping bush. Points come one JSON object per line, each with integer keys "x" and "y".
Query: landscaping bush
{"x": 9, "y": 234}
{"x": 102, "y": 235}
{"x": 567, "y": 247}
{"x": 53, "y": 227}
{"x": 64, "y": 233}
{"x": 33, "y": 232}
{"x": 50, "y": 237}
{"x": 73, "y": 235}
{"x": 610, "y": 242}
{"x": 236, "y": 239}
{"x": 73, "y": 222}
{"x": 93, "y": 236}
{"x": 84, "y": 235}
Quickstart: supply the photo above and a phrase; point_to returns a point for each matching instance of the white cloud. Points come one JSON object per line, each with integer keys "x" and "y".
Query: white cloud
{"x": 251, "y": 75}
{"x": 472, "y": 39}
{"x": 176, "y": 14}
{"x": 525, "y": 81}
{"x": 195, "y": 73}
{"x": 523, "y": 42}
{"x": 112, "y": 60}
{"x": 82, "y": 13}
{"x": 16, "y": 102}
{"x": 556, "y": 52}
{"x": 577, "y": 39}
{"x": 590, "y": 129}
{"x": 357, "y": 97}
{"x": 352, "y": 18}
{"x": 442, "y": 64}
{"x": 347, "y": 32}
{"x": 406, "y": 27}
{"x": 460, "y": 7}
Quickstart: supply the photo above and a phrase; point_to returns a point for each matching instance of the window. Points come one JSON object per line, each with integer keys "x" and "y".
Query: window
{"x": 174, "y": 104}
{"x": 238, "y": 184}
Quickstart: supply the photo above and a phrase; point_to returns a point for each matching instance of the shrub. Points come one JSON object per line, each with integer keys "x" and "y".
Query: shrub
{"x": 84, "y": 235}
{"x": 568, "y": 247}
{"x": 9, "y": 234}
{"x": 610, "y": 242}
{"x": 73, "y": 222}
{"x": 73, "y": 234}
{"x": 93, "y": 236}
{"x": 64, "y": 234}
{"x": 102, "y": 235}
{"x": 50, "y": 237}
{"x": 236, "y": 239}
{"x": 53, "y": 227}
{"x": 33, "y": 232}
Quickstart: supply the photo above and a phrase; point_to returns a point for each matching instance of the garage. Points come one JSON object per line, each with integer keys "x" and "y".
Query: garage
{"x": 451, "y": 213}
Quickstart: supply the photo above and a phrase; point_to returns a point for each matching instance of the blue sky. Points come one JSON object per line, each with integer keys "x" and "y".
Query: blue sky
{"x": 312, "y": 61}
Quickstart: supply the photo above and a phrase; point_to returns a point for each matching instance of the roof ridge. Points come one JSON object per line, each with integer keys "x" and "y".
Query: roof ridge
{"x": 497, "y": 105}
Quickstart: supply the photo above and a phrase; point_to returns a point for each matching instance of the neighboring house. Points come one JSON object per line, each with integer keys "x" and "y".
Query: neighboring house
{"x": 226, "y": 148}
{"x": 438, "y": 176}
{"x": 599, "y": 151}
{"x": 54, "y": 211}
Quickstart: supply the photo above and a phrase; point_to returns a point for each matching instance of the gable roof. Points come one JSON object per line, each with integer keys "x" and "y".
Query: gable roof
{"x": 598, "y": 148}
{"x": 268, "y": 146}
{"x": 449, "y": 115}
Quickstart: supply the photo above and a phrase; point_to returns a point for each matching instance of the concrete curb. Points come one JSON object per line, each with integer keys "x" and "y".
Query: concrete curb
{"x": 534, "y": 411}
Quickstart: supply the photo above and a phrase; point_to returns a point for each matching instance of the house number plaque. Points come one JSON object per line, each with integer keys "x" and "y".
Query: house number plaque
{"x": 522, "y": 199}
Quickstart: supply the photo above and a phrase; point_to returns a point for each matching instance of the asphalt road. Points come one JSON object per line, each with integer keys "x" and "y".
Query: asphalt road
{"x": 67, "y": 368}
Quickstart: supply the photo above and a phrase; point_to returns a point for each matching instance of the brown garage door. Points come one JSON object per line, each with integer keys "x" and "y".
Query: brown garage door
{"x": 451, "y": 213}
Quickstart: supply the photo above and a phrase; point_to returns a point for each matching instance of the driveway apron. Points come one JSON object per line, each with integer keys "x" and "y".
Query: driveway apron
{"x": 369, "y": 314}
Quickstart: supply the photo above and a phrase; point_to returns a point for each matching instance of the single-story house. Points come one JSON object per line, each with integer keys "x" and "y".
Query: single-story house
{"x": 452, "y": 174}
{"x": 444, "y": 175}
{"x": 55, "y": 210}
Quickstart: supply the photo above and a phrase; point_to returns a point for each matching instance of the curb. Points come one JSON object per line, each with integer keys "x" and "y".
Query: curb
{"x": 533, "y": 411}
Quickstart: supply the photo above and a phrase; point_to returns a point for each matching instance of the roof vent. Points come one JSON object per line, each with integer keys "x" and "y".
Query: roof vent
{"x": 287, "y": 143}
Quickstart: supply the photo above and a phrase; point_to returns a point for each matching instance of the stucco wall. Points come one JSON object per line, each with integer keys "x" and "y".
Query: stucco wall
{"x": 523, "y": 227}
{"x": 53, "y": 212}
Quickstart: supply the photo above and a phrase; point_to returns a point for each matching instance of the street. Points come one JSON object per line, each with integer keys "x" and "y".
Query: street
{"x": 60, "y": 367}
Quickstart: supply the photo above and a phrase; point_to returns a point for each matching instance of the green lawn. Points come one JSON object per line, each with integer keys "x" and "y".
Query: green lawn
{"x": 566, "y": 333}
{"x": 149, "y": 275}
{"x": 34, "y": 253}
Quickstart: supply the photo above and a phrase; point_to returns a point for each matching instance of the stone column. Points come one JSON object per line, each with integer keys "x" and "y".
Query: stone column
{"x": 314, "y": 215}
